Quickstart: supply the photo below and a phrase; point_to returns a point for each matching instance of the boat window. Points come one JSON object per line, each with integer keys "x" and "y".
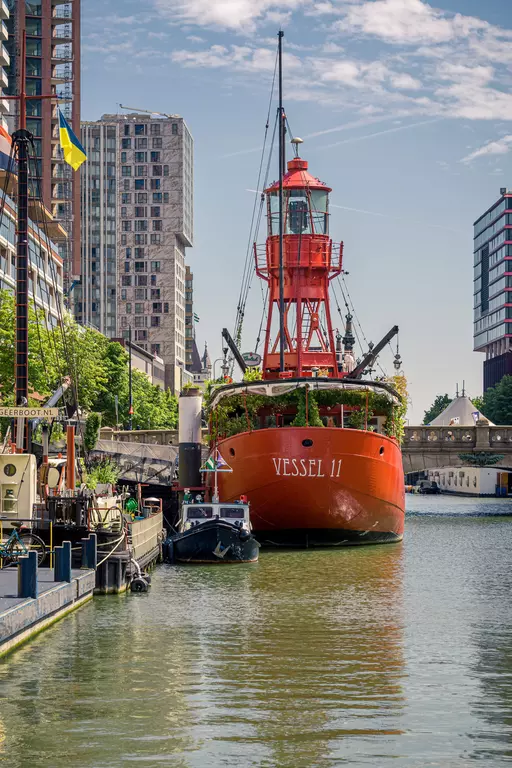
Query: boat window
{"x": 198, "y": 511}
{"x": 232, "y": 512}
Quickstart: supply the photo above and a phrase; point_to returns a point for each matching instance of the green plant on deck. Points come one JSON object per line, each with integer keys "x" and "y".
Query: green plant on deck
{"x": 101, "y": 471}
{"x": 253, "y": 374}
{"x": 313, "y": 415}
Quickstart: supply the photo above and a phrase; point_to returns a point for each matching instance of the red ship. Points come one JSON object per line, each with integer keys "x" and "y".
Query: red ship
{"x": 313, "y": 446}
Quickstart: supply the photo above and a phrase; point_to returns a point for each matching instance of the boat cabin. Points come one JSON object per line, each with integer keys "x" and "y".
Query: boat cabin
{"x": 193, "y": 514}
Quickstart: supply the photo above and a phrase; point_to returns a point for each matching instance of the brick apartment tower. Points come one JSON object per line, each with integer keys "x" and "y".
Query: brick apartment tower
{"x": 52, "y": 66}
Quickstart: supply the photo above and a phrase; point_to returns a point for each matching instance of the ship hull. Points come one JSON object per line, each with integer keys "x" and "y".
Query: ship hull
{"x": 317, "y": 486}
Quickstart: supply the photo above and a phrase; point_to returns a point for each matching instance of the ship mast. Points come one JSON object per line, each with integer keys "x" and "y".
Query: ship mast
{"x": 281, "y": 175}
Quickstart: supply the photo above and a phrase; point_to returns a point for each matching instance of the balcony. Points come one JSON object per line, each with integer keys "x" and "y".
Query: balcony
{"x": 5, "y": 59}
{"x": 65, "y": 36}
{"x": 61, "y": 15}
{"x": 4, "y": 80}
{"x": 4, "y": 106}
{"x": 4, "y": 10}
{"x": 62, "y": 57}
{"x": 61, "y": 2}
{"x": 4, "y": 32}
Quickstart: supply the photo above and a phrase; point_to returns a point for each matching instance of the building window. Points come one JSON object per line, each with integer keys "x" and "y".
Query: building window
{"x": 166, "y": 308}
{"x": 157, "y": 307}
{"x": 157, "y": 225}
{"x": 155, "y": 349}
{"x": 157, "y": 170}
{"x": 157, "y": 143}
{"x": 139, "y": 309}
{"x": 140, "y": 129}
{"x": 123, "y": 240}
{"x": 142, "y": 197}
{"x": 127, "y": 266}
{"x": 141, "y": 225}
{"x": 155, "y": 293}
{"x": 140, "y": 266}
{"x": 126, "y": 184}
{"x": 174, "y": 129}
{"x": 141, "y": 144}
{"x": 140, "y": 294}
{"x": 156, "y": 239}
{"x": 166, "y": 197}
{"x": 140, "y": 183}
{"x": 155, "y": 157}
{"x": 155, "y": 129}
{"x": 155, "y": 266}
{"x": 141, "y": 157}
{"x": 141, "y": 170}
{"x": 157, "y": 198}
{"x": 166, "y": 170}
{"x": 128, "y": 253}
{"x": 155, "y": 322}
{"x": 155, "y": 211}
{"x": 123, "y": 158}
{"x": 126, "y": 198}
{"x": 142, "y": 280}
{"x": 123, "y": 212}
{"x": 140, "y": 212}
{"x": 128, "y": 308}
{"x": 126, "y": 170}
{"x": 123, "y": 294}
{"x": 153, "y": 279}
{"x": 126, "y": 226}
{"x": 141, "y": 335}
{"x": 140, "y": 322}
{"x": 126, "y": 143}
{"x": 140, "y": 239}
{"x": 139, "y": 253}
{"x": 126, "y": 129}
{"x": 155, "y": 183}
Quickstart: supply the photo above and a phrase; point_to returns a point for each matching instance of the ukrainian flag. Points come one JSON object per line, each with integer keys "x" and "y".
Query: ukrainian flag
{"x": 74, "y": 153}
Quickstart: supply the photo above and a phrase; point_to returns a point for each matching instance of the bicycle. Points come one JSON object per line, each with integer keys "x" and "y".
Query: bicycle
{"x": 21, "y": 544}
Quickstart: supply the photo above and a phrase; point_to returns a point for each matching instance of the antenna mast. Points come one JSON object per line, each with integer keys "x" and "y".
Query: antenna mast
{"x": 281, "y": 173}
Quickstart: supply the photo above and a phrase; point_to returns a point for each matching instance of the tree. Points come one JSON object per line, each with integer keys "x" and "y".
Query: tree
{"x": 478, "y": 402}
{"x": 92, "y": 429}
{"x": 440, "y": 403}
{"x": 497, "y": 405}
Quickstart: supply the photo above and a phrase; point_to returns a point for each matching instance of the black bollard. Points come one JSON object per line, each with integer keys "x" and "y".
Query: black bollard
{"x": 63, "y": 562}
{"x": 27, "y": 575}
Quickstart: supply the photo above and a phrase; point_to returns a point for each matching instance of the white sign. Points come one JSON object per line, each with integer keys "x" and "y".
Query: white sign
{"x": 30, "y": 413}
{"x": 306, "y": 467}
{"x": 251, "y": 359}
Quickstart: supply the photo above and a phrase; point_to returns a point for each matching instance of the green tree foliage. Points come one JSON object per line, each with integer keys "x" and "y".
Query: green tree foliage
{"x": 92, "y": 428}
{"x": 478, "y": 402}
{"x": 97, "y": 367}
{"x": 497, "y": 402}
{"x": 440, "y": 403}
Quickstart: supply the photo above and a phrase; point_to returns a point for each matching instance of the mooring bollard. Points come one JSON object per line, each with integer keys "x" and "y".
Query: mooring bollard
{"x": 90, "y": 552}
{"x": 63, "y": 562}
{"x": 27, "y": 575}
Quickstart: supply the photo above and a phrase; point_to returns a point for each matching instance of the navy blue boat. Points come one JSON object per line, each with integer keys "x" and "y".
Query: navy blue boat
{"x": 213, "y": 533}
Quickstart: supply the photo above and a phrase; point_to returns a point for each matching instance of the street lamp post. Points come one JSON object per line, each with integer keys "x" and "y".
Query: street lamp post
{"x": 218, "y": 360}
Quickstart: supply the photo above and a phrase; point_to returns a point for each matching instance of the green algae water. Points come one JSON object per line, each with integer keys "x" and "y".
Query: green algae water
{"x": 395, "y": 655}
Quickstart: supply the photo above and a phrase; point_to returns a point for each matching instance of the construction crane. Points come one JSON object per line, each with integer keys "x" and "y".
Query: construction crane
{"x": 147, "y": 111}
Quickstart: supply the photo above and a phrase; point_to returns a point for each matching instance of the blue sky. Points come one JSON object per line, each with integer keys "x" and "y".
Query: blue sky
{"x": 406, "y": 111}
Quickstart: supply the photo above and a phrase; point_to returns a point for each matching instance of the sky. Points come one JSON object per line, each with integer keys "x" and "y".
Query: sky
{"x": 405, "y": 109}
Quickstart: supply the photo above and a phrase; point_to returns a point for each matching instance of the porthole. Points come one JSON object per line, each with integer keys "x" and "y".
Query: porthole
{"x": 232, "y": 451}
{"x": 307, "y": 443}
{"x": 10, "y": 470}
{"x": 381, "y": 450}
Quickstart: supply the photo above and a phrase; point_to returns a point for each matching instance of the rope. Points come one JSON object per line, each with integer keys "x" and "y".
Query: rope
{"x": 112, "y": 550}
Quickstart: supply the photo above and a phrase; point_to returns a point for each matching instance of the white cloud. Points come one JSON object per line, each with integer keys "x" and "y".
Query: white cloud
{"x": 238, "y": 57}
{"x": 405, "y": 21}
{"x": 496, "y": 147}
{"x": 226, "y": 14}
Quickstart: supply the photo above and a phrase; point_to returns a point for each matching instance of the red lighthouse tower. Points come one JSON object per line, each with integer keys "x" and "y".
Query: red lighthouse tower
{"x": 310, "y": 261}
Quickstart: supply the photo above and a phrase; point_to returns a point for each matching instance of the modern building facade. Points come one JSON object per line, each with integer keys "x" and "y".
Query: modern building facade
{"x": 52, "y": 66}
{"x": 493, "y": 289}
{"x": 189, "y": 317}
{"x": 94, "y": 298}
{"x": 45, "y": 267}
{"x": 137, "y": 221}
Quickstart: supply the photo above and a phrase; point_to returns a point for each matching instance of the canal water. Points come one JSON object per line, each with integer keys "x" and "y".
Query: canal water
{"x": 398, "y": 655}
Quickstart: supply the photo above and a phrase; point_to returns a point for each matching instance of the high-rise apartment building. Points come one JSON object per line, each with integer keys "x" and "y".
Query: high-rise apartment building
{"x": 493, "y": 289}
{"x": 94, "y": 299}
{"x": 52, "y": 62}
{"x": 189, "y": 317}
{"x": 147, "y": 161}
